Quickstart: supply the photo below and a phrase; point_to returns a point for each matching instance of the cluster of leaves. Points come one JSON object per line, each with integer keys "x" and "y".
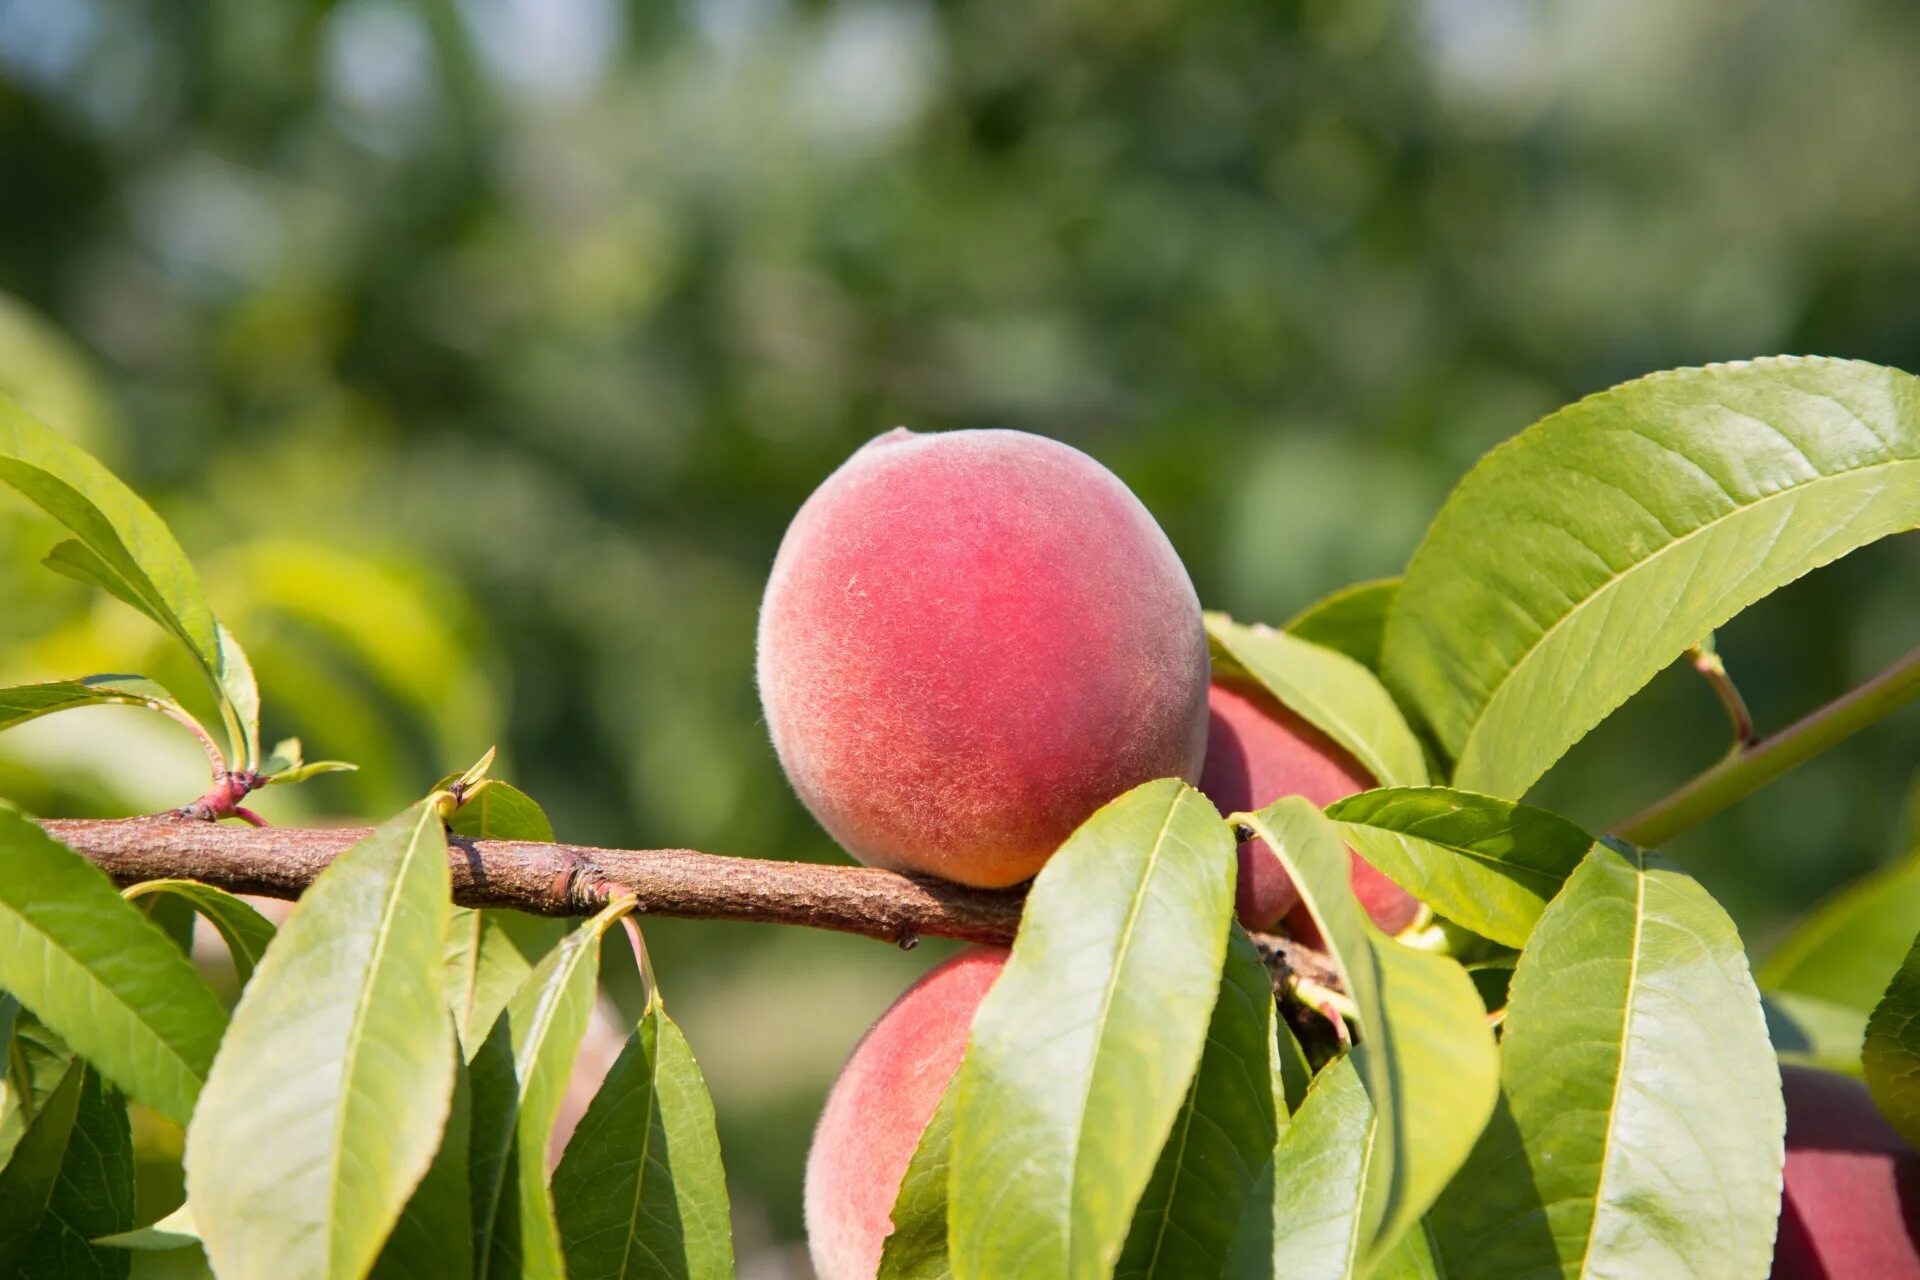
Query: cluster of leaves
{"x": 1568, "y": 1068}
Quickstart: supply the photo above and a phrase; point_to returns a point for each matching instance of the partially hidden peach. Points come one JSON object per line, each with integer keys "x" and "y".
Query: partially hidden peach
{"x": 970, "y": 641}
{"x": 882, "y": 1101}
{"x": 1852, "y": 1202}
{"x": 1257, "y": 752}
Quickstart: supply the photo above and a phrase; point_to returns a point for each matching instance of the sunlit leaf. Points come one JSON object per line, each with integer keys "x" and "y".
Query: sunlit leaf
{"x": 519, "y": 1077}
{"x": 24, "y": 702}
{"x": 1430, "y": 1066}
{"x": 1580, "y": 558}
{"x": 1891, "y": 1055}
{"x": 1350, "y": 621}
{"x": 330, "y": 1093}
{"x": 175, "y": 1231}
{"x": 1330, "y": 691}
{"x": 1850, "y": 946}
{"x": 1082, "y": 1052}
{"x": 1810, "y": 1032}
{"x": 640, "y": 1191}
{"x": 100, "y": 974}
{"x": 245, "y": 931}
{"x": 916, "y": 1248}
{"x": 1639, "y": 1130}
{"x": 1223, "y": 1134}
{"x": 1488, "y": 864}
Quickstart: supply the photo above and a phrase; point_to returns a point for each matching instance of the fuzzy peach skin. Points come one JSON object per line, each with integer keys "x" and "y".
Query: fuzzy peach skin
{"x": 1257, "y": 752}
{"x": 1852, "y": 1203}
{"x": 874, "y": 1117}
{"x": 970, "y": 641}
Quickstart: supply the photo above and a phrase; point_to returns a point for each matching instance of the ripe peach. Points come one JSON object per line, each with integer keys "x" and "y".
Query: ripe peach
{"x": 1257, "y": 752}
{"x": 882, "y": 1101}
{"x": 1852, "y": 1203}
{"x": 970, "y": 641}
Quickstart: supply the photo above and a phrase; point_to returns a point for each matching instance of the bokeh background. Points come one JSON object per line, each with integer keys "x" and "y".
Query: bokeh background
{"x": 480, "y": 350}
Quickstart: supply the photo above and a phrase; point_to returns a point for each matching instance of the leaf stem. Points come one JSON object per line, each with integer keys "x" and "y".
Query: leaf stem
{"x": 1752, "y": 767}
{"x": 1707, "y": 661}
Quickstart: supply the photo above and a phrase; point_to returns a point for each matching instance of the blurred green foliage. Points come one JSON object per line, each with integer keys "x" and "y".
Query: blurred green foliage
{"x": 479, "y": 350}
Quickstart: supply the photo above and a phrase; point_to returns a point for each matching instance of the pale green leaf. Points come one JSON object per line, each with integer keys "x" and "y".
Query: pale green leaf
{"x": 490, "y": 952}
{"x": 36, "y": 1061}
{"x": 175, "y": 1231}
{"x": 640, "y": 1191}
{"x": 1639, "y": 1131}
{"x": 1891, "y": 1054}
{"x": 519, "y": 1078}
{"x": 331, "y": 1090}
{"x": 1416, "y": 1257}
{"x": 1810, "y": 1032}
{"x": 314, "y": 769}
{"x": 1850, "y": 946}
{"x": 1577, "y": 560}
{"x": 1431, "y": 1067}
{"x": 1352, "y": 620}
{"x": 1082, "y": 1052}
{"x": 1330, "y": 691}
{"x": 24, "y": 702}
{"x": 122, "y": 541}
{"x": 100, "y": 974}
{"x": 1488, "y": 864}
{"x": 1224, "y": 1132}
{"x": 916, "y": 1248}
{"x": 245, "y": 931}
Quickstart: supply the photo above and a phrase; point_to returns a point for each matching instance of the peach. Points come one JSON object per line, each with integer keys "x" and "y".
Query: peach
{"x": 882, "y": 1101}
{"x": 1257, "y": 752}
{"x": 1852, "y": 1203}
{"x": 970, "y": 641}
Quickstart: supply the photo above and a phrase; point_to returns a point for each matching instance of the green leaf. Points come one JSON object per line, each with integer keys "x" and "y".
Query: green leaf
{"x": 1851, "y": 945}
{"x": 1351, "y": 621}
{"x": 245, "y": 931}
{"x": 175, "y": 1231}
{"x": 313, "y": 770}
{"x": 100, "y": 974}
{"x": 1488, "y": 864}
{"x": 1577, "y": 560}
{"x": 327, "y": 1101}
{"x": 1292, "y": 1073}
{"x": 1810, "y": 1032}
{"x": 1416, "y": 1257}
{"x": 1081, "y": 1053}
{"x": 92, "y": 1195}
{"x": 1223, "y": 1134}
{"x": 640, "y": 1190}
{"x": 1305, "y": 1218}
{"x": 490, "y": 952}
{"x": 916, "y": 1248}
{"x": 519, "y": 1078}
{"x": 36, "y": 1061}
{"x": 128, "y": 549}
{"x": 434, "y": 1236}
{"x": 24, "y": 702}
{"x": 26, "y": 1184}
{"x": 1330, "y": 691}
{"x": 1891, "y": 1055}
{"x": 1431, "y": 1066}
{"x": 501, "y": 811}
{"x": 1639, "y": 1132}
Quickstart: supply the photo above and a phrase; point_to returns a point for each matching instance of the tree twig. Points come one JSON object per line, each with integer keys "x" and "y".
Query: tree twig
{"x": 1747, "y": 770}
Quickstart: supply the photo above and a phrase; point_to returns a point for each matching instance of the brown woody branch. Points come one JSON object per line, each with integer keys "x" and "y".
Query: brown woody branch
{"x": 568, "y": 880}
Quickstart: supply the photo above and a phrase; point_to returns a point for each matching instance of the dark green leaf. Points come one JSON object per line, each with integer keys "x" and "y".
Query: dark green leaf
{"x": 1223, "y": 1134}
{"x": 1639, "y": 1131}
{"x": 36, "y": 1062}
{"x": 1431, "y": 1066}
{"x": 100, "y": 974}
{"x": 27, "y": 1182}
{"x": 93, "y": 1195}
{"x": 640, "y": 1191}
{"x": 1081, "y": 1054}
{"x": 1488, "y": 864}
{"x": 916, "y": 1248}
{"x": 1580, "y": 558}
{"x": 1812, "y": 1032}
{"x": 1850, "y": 947}
{"x": 124, "y": 546}
{"x": 1330, "y": 691}
{"x": 1309, "y": 1223}
{"x": 245, "y": 931}
{"x": 501, "y": 811}
{"x": 519, "y": 1077}
{"x": 434, "y": 1236}
{"x": 1891, "y": 1056}
{"x": 330, "y": 1093}
{"x": 1351, "y": 621}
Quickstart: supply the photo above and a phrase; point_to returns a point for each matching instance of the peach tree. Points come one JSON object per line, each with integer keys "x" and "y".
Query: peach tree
{"x": 1274, "y": 970}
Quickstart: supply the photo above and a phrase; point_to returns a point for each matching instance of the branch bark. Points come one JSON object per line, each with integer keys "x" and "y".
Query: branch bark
{"x": 571, "y": 880}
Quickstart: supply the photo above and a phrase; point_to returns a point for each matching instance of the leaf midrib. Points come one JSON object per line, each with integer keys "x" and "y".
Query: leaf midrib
{"x": 1124, "y": 941}
{"x": 1626, "y": 1044}
{"x": 646, "y": 1148}
{"x": 1605, "y": 588}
